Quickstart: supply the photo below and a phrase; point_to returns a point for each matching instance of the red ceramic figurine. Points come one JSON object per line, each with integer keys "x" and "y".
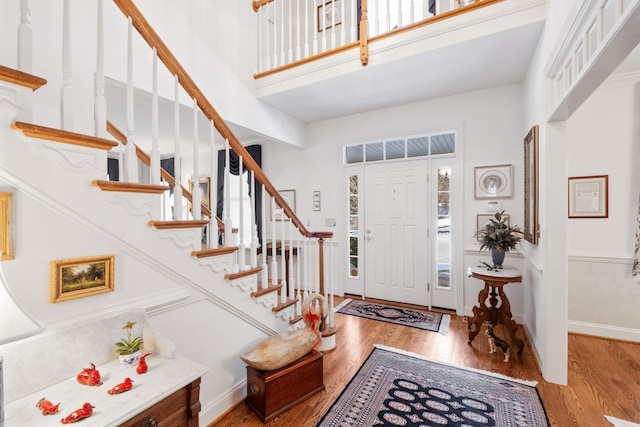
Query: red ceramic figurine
{"x": 142, "y": 364}
{"x": 126, "y": 385}
{"x": 47, "y": 407}
{"x": 78, "y": 414}
{"x": 90, "y": 376}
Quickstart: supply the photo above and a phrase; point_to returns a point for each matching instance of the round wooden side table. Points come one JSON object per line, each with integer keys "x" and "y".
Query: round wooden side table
{"x": 493, "y": 313}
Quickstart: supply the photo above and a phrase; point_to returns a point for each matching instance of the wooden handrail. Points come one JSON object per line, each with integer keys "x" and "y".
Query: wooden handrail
{"x": 146, "y": 159}
{"x": 175, "y": 68}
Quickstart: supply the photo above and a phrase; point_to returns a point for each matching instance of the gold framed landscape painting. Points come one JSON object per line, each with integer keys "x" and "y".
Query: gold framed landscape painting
{"x": 6, "y": 226}
{"x": 81, "y": 277}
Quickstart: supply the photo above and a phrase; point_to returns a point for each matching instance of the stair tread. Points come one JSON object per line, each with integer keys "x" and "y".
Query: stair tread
{"x": 263, "y": 291}
{"x": 21, "y": 78}
{"x": 175, "y": 224}
{"x": 243, "y": 273}
{"x": 67, "y": 137}
{"x": 209, "y": 252}
{"x": 282, "y": 305}
{"x": 129, "y": 187}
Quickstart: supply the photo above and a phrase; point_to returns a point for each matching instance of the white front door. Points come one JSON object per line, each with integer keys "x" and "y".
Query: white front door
{"x": 397, "y": 266}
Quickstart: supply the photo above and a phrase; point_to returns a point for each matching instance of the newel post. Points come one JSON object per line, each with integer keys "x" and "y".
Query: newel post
{"x": 321, "y": 265}
{"x": 364, "y": 31}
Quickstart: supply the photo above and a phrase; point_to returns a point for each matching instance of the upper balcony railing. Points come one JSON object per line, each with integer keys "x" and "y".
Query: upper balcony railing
{"x": 293, "y": 32}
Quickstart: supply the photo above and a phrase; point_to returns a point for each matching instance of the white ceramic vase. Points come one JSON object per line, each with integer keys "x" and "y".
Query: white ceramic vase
{"x": 130, "y": 360}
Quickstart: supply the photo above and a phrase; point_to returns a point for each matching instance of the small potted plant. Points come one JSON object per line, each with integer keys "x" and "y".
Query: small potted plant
{"x": 500, "y": 238}
{"x": 129, "y": 348}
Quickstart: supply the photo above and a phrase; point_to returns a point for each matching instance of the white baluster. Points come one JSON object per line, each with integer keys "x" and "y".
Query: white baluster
{"x": 306, "y": 29}
{"x": 228, "y": 226}
{"x": 343, "y": 26}
{"x": 388, "y": 18}
{"x": 282, "y": 51}
{"x": 330, "y": 287}
{"x": 196, "y": 197}
{"x": 213, "y": 207}
{"x": 354, "y": 21}
{"x": 323, "y": 25}
{"x": 274, "y": 263}
{"x": 333, "y": 24}
{"x": 130, "y": 156}
{"x": 261, "y": 34}
{"x": 177, "y": 189}
{"x": 267, "y": 33}
{"x": 412, "y": 11}
{"x": 290, "y": 262}
{"x": 298, "y": 33}
{"x": 316, "y": 30}
{"x": 254, "y": 227}
{"x": 399, "y": 23}
{"x": 100, "y": 102}
{"x": 154, "y": 172}
{"x": 283, "y": 264}
{"x": 265, "y": 269}
{"x": 241, "y": 247}
{"x": 275, "y": 34}
{"x": 290, "y": 49}
{"x": 66, "y": 100}
{"x": 25, "y": 38}
{"x": 306, "y": 267}
{"x": 299, "y": 266}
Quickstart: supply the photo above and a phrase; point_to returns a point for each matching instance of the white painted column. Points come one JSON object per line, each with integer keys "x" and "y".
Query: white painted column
{"x": 274, "y": 263}
{"x": 228, "y": 226}
{"x": 264, "y": 274}
{"x": 253, "y": 261}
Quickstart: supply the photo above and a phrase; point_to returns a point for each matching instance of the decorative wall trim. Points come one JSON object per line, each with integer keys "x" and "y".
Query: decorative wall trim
{"x": 601, "y": 257}
{"x": 604, "y": 331}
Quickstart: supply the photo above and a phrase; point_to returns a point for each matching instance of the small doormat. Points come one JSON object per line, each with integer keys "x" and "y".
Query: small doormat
{"x": 397, "y": 388}
{"x": 421, "y": 319}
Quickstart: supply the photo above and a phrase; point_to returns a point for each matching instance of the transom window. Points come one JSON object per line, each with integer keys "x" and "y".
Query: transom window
{"x": 401, "y": 148}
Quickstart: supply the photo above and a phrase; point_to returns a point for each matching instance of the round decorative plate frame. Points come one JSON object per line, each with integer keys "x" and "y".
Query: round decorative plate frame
{"x": 492, "y": 182}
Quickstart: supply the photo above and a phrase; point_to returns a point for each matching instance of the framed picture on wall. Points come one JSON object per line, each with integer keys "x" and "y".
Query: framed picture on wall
{"x": 81, "y": 277}
{"x": 589, "y": 196}
{"x": 493, "y": 182}
{"x": 6, "y": 226}
{"x": 531, "y": 227}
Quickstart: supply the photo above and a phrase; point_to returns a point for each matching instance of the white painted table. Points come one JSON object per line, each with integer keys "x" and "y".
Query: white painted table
{"x": 164, "y": 377}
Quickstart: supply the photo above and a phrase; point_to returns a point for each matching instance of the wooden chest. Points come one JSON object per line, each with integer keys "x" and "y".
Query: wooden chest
{"x": 269, "y": 393}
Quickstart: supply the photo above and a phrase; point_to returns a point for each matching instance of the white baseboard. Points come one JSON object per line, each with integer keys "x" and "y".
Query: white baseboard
{"x": 213, "y": 410}
{"x": 604, "y": 331}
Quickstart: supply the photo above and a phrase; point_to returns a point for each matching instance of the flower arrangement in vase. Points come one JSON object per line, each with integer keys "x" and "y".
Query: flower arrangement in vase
{"x": 500, "y": 238}
{"x": 129, "y": 348}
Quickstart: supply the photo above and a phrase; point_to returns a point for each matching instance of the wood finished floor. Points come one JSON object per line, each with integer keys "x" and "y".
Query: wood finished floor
{"x": 604, "y": 375}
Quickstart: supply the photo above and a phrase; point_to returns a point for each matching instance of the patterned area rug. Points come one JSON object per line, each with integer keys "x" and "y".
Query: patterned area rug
{"x": 420, "y": 319}
{"x": 396, "y": 388}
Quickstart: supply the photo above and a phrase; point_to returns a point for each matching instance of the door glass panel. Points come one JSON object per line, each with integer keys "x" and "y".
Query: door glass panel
{"x": 353, "y": 226}
{"x": 444, "y": 228}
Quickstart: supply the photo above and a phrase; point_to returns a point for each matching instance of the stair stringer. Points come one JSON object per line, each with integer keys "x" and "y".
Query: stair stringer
{"x": 69, "y": 191}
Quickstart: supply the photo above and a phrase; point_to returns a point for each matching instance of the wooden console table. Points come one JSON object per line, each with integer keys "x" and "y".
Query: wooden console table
{"x": 494, "y": 281}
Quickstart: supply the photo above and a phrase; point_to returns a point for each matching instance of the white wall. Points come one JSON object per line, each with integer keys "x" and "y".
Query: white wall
{"x": 602, "y": 141}
{"x": 489, "y": 134}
